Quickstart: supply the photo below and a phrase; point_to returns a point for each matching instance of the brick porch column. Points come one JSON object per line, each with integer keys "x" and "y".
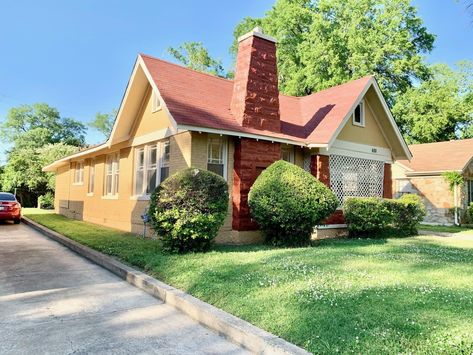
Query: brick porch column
{"x": 319, "y": 167}
{"x": 387, "y": 182}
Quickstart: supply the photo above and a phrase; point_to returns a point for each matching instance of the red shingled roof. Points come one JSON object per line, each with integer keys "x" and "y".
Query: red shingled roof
{"x": 203, "y": 100}
{"x": 440, "y": 156}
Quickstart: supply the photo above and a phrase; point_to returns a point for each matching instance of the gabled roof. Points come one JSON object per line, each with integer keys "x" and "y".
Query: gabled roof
{"x": 439, "y": 157}
{"x": 201, "y": 100}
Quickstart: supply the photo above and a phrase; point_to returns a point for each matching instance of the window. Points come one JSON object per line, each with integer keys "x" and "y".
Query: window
{"x": 355, "y": 177}
{"x": 287, "y": 153}
{"x": 469, "y": 191}
{"x": 91, "y": 187}
{"x": 112, "y": 172}
{"x": 151, "y": 166}
{"x": 216, "y": 155}
{"x": 359, "y": 115}
{"x": 155, "y": 102}
{"x": 79, "y": 173}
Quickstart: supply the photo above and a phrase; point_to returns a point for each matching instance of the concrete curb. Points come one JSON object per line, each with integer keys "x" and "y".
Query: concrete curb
{"x": 235, "y": 329}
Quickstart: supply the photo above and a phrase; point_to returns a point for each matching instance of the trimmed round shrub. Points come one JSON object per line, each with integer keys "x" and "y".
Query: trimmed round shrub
{"x": 46, "y": 201}
{"x": 408, "y": 211}
{"x": 288, "y": 202}
{"x": 188, "y": 209}
{"x": 366, "y": 216}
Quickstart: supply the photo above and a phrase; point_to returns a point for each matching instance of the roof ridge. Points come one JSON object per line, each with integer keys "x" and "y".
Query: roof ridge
{"x": 186, "y": 68}
{"x": 449, "y": 141}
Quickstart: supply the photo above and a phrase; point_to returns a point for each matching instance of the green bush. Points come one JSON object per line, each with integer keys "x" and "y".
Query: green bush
{"x": 46, "y": 201}
{"x": 369, "y": 216}
{"x": 288, "y": 202}
{"x": 408, "y": 211}
{"x": 469, "y": 213}
{"x": 366, "y": 215}
{"x": 187, "y": 210}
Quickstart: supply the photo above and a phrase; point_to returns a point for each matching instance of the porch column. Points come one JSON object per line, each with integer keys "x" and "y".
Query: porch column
{"x": 387, "y": 182}
{"x": 319, "y": 167}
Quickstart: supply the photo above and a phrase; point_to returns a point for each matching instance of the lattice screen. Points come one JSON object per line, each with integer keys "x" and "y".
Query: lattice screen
{"x": 307, "y": 162}
{"x": 355, "y": 177}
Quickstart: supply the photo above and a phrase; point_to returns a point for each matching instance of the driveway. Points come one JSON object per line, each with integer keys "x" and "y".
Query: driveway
{"x": 54, "y": 301}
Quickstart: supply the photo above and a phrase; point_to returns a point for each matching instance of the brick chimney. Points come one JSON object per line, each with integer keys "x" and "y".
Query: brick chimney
{"x": 255, "y": 99}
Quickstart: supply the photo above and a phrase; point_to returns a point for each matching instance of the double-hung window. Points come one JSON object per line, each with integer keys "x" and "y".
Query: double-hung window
{"x": 79, "y": 173}
{"x": 112, "y": 173}
{"x": 151, "y": 166}
{"x": 217, "y": 155}
{"x": 469, "y": 186}
{"x": 91, "y": 186}
{"x": 287, "y": 153}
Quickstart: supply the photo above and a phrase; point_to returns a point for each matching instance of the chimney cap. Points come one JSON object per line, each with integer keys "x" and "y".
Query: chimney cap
{"x": 258, "y": 32}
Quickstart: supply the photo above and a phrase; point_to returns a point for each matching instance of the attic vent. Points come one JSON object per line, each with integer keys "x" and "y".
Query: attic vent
{"x": 155, "y": 102}
{"x": 355, "y": 177}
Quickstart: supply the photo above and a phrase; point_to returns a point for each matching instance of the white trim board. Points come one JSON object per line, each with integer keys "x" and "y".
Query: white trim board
{"x": 357, "y": 150}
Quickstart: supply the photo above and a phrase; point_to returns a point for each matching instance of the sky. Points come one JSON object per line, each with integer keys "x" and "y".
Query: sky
{"x": 77, "y": 56}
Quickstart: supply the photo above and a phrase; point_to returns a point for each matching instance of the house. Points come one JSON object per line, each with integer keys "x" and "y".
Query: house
{"x": 423, "y": 176}
{"x": 172, "y": 117}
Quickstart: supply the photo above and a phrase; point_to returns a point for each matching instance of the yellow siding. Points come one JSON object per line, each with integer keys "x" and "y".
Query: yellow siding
{"x": 371, "y": 134}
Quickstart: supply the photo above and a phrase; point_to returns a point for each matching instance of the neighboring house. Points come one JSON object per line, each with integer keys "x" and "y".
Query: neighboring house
{"x": 423, "y": 176}
{"x": 172, "y": 118}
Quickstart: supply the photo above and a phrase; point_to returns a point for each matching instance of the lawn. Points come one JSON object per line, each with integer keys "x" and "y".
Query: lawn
{"x": 370, "y": 296}
{"x": 447, "y": 229}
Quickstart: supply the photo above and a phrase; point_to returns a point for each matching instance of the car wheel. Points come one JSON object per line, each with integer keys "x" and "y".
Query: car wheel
{"x": 17, "y": 221}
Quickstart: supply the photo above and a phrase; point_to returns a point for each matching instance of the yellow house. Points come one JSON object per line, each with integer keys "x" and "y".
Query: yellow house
{"x": 172, "y": 117}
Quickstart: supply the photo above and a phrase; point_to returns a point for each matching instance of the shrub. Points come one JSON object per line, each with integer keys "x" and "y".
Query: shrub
{"x": 187, "y": 210}
{"x": 408, "y": 211}
{"x": 46, "y": 201}
{"x": 366, "y": 215}
{"x": 288, "y": 202}
{"x": 469, "y": 213}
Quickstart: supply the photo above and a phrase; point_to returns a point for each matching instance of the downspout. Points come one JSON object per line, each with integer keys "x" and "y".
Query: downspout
{"x": 455, "y": 203}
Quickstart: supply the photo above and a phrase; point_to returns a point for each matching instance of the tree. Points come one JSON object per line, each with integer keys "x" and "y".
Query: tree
{"x": 39, "y": 124}
{"x": 440, "y": 108}
{"x": 322, "y": 43}
{"x": 195, "y": 56}
{"x": 103, "y": 122}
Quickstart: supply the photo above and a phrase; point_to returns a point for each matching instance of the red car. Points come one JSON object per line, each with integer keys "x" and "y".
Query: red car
{"x": 10, "y": 208}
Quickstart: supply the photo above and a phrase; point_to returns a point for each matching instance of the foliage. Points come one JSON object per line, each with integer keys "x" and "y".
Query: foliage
{"x": 469, "y": 213}
{"x": 365, "y": 215}
{"x": 46, "y": 201}
{"x": 322, "y": 43}
{"x": 407, "y": 212}
{"x": 453, "y": 178}
{"x": 188, "y": 209}
{"x": 376, "y": 296}
{"x": 39, "y": 124}
{"x": 438, "y": 109}
{"x": 370, "y": 216}
{"x": 195, "y": 56}
{"x": 288, "y": 202}
{"x": 103, "y": 122}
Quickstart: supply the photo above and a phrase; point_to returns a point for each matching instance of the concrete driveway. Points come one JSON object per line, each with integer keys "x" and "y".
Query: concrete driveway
{"x": 53, "y": 301}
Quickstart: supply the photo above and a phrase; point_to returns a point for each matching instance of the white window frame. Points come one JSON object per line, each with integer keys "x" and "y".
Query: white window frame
{"x": 155, "y": 102}
{"x": 224, "y": 151}
{"x": 289, "y": 149}
{"x": 91, "y": 182}
{"x": 362, "y": 114}
{"x": 160, "y": 163}
{"x": 79, "y": 173}
{"x": 112, "y": 168}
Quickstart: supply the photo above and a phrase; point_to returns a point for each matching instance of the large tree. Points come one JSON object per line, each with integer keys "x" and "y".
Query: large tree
{"x": 322, "y": 43}
{"x": 195, "y": 56}
{"x": 440, "y": 108}
{"x": 103, "y": 122}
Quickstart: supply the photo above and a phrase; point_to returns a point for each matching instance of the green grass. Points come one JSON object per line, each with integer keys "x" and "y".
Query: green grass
{"x": 446, "y": 229}
{"x": 369, "y": 296}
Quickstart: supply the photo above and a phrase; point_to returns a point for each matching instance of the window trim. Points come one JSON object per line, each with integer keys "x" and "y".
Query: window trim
{"x": 291, "y": 150}
{"x": 91, "y": 181}
{"x": 224, "y": 141}
{"x": 146, "y": 148}
{"x": 115, "y": 172}
{"x": 155, "y": 102}
{"x": 80, "y": 181}
{"x": 361, "y": 104}
{"x": 469, "y": 192}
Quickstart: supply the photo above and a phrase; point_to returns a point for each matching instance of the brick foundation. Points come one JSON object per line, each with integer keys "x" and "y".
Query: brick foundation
{"x": 251, "y": 158}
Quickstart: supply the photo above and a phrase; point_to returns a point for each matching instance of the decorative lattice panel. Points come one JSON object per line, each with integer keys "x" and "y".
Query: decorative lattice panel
{"x": 307, "y": 162}
{"x": 355, "y": 177}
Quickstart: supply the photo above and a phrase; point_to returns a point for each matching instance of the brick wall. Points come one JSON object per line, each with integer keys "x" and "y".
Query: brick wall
{"x": 251, "y": 158}
{"x": 319, "y": 167}
{"x": 387, "y": 182}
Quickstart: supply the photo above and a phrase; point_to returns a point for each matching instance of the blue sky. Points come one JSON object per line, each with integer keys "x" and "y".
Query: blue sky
{"x": 77, "y": 55}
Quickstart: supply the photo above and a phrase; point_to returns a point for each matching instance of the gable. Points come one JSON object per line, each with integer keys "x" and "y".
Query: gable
{"x": 370, "y": 134}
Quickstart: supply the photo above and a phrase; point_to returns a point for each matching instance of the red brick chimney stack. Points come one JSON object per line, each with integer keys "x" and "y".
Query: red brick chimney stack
{"x": 255, "y": 100}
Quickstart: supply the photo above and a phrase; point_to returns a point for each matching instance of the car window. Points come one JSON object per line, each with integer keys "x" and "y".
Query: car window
{"x": 7, "y": 197}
